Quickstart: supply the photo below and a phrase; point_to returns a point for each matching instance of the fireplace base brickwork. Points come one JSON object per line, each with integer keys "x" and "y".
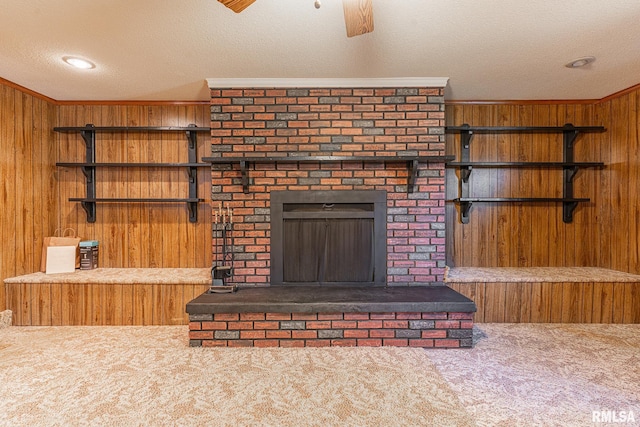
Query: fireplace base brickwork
{"x": 439, "y": 330}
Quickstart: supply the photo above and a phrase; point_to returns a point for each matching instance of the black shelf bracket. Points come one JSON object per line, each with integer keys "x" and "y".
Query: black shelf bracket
{"x": 192, "y": 148}
{"x": 245, "y": 176}
{"x": 193, "y": 211}
{"x": 569, "y": 136}
{"x": 466, "y": 135}
{"x": 89, "y": 137}
{"x": 570, "y": 173}
{"x": 465, "y": 207}
{"x": 567, "y": 211}
{"x": 192, "y": 139}
{"x": 413, "y": 174}
{"x": 465, "y": 173}
{"x": 88, "y": 172}
{"x": 90, "y": 209}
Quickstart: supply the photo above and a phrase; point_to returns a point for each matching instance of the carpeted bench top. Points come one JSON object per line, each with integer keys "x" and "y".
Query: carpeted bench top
{"x": 122, "y": 276}
{"x": 536, "y": 274}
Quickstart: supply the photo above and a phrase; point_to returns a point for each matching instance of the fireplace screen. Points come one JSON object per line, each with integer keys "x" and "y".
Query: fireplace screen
{"x": 328, "y": 237}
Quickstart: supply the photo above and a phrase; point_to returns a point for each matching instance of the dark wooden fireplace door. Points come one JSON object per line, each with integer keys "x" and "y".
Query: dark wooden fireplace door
{"x": 328, "y": 237}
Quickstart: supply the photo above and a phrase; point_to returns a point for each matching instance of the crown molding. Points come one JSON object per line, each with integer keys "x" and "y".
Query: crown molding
{"x": 236, "y": 83}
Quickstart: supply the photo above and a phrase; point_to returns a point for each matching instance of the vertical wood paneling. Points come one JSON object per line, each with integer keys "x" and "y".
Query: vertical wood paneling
{"x": 547, "y": 184}
{"x": 129, "y": 304}
{"x": 138, "y": 235}
{"x": 513, "y": 303}
{"x": 155, "y": 212}
{"x": 34, "y": 206}
{"x": 524, "y": 185}
{"x": 27, "y": 195}
{"x": 540, "y": 303}
{"x": 553, "y": 302}
{"x": 128, "y": 308}
{"x": 143, "y": 305}
{"x": 634, "y": 182}
{"x": 112, "y": 304}
{"x": 503, "y": 189}
{"x": 26, "y": 299}
{"x": 136, "y": 151}
{"x": 41, "y": 304}
{"x": 8, "y": 161}
{"x": 172, "y": 230}
{"x": 480, "y": 185}
{"x": 604, "y": 232}
{"x": 454, "y": 242}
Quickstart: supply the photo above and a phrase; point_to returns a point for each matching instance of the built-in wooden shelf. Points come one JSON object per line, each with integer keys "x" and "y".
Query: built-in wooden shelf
{"x": 88, "y": 133}
{"x": 133, "y": 200}
{"x": 523, "y": 129}
{"x": 525, "y": 165}
{"x": 134, "y": 165}
{"x": 412, "y": 163}
{"x": 568, "y": 165}
{"x": 120, "y": 129}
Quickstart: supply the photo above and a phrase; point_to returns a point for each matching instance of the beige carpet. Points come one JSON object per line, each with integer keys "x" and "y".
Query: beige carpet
{"x": 517, "y": 375}
{"x": 128, "y": 376}
{"x": 546, "y": 374}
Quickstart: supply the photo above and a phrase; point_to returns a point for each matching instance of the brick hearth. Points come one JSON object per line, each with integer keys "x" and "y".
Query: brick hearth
{"x": 441, "y": 330}
{"x": 322, "y": 316}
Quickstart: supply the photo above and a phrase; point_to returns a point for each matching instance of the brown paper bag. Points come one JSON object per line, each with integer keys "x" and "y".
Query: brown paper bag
{"x": 66, "y": 237}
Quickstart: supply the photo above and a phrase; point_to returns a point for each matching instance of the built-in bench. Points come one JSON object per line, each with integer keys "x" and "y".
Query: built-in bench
{"x": 323, "y": 316}
{"x": 549, "y": 294}
{"x": 105, "y": 296}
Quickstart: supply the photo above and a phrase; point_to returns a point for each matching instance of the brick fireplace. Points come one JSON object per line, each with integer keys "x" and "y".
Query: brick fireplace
{"x": 356, "y": 152}
{"x": 382, "y": 125}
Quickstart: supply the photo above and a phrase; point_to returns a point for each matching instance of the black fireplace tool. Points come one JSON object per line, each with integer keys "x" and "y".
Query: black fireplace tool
{"x": 222, "y": 271}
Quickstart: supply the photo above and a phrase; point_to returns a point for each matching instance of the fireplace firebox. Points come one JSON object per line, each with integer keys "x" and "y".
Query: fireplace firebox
{"x": 328, "y": 237}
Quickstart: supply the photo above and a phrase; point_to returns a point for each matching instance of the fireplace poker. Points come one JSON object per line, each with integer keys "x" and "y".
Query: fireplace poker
{"x": 222, "y": 267}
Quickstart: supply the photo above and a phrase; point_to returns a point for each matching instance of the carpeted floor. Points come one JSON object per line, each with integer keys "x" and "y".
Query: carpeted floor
{"x": 516, "y": 375}
{"x": 546, "y": 374}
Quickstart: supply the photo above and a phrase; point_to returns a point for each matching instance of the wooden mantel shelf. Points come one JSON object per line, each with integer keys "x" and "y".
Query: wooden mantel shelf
{"x": 412, "y": 163}
{"x": 91, "y": 128}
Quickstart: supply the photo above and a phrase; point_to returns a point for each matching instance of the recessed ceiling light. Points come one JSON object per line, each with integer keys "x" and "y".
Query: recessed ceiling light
{"x": 79, "y": 62}
{"x": 581, "y": 62}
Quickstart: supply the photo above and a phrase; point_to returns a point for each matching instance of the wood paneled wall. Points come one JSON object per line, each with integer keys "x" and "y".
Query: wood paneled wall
{"x": 138, "y": 234}
{"x": 553, "y": 302}
{"x": 95, "y": 304}
{"x": 34, "y": 192}
{"x": 604, "y": 232}
{"x": 619, "y": 233}
{"x": 28, "y": 196}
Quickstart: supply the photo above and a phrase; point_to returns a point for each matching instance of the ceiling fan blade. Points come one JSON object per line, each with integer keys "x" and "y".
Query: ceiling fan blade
{"x": 237, "y": 5}
{"x": 358, "y": 16}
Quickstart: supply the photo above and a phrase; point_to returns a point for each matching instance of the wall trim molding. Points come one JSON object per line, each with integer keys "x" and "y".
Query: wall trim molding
{"x": 25, "y": 90}
{"x": 525, "y": 102}
{"x": 237, "y": 83}
{"x": 413, "y": 83}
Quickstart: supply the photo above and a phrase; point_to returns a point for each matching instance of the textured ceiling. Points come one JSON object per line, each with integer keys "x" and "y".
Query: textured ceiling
{"x": 165, "y": 49}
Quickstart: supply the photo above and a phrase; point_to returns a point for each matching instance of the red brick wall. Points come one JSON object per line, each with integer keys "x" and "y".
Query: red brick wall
{"x": 333, "y": 122}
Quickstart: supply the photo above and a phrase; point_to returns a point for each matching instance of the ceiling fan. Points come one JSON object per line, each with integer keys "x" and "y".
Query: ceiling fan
{"x": 358, "y": 14}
